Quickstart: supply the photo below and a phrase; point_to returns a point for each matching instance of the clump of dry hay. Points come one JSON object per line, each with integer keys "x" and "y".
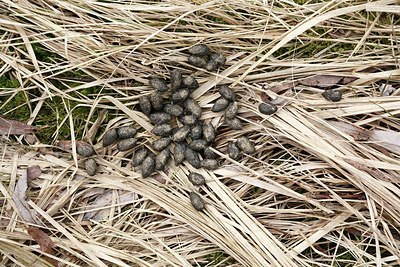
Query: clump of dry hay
{"x": 322, "y": 189}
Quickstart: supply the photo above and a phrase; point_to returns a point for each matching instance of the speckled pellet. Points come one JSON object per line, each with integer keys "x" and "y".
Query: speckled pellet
{"x": 198, "y": 144}
{"x": 91, "y": 167}
{"x": 208, "y": 132}
{"x": 196, "y": 178}
{"x": 231, "y": 110}
{"x": 145, "y": 104}
{"x": 188, "y": 119}
{"x": 233, "y": 150}
{"x": 139, "y": 156}
{"x": 162, "y": 130}
{"x": 245, "y": 145}
{"x": 332, "y": 95}
{"x": 126, "y": 132}
{"x": 179, "y": 153}
{"x": 173, "y": 110}
{"x": 210, "y": 164}
{"x": 218, "y": 58}
{"x": 110, "y": 137}
{"x": 156, "y": 101}
{"x": 211, "y": 65}
{"x": 221, "y": 104}
{"x": 234, "y": 124}
{"x": 160, "y": 118}
{"x": 192, "y": 157}
{"x": 162, "y": 159}
{"x": 199, "y": 50}
{"x": 148, "y": 166}
{"x": 196, "y": 132}
{"x": 227, "y": 92}
{"x": 158, "y": 84}
{"x": 181, "y": 133}
{"x": 197, "y": 61}
{"x": 126, "y": 144}
{"x": 84, "y": 150}
{"x": 190, "y": 83}
{"x": 175, "y": 79}
{"x": 161, "y": 143}
{"x": 267, "y": 108}
{"x": 197, "y": 201}
{"x": 180, "y": 95}
{"x": 193, "y": 107}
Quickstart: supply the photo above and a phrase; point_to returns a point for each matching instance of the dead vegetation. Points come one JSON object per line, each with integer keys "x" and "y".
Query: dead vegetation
{"x": 321, "y": 190}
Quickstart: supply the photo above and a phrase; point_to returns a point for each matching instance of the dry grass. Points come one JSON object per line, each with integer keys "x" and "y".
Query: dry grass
{"x": 322, "y": 189}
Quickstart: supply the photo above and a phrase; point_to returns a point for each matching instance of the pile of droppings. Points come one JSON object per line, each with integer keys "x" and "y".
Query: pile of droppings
{"x": 179, "y": 131}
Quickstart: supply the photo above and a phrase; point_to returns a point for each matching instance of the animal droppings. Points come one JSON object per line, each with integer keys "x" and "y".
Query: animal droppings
{"x": 126, "y": 132}
{"x": 196, "y": 178}
{"x": 197, "y": 201}
{"x": 245, "y": 145}
{"x": 221, "y": 104}
{"x": 110, "y": 137}
{"x": 199, "y": 50}
{"x": 158, "y": 84}
{"x": 126, "y": 144}
{"x": 91, "y": 167}
{"x": 161, "y": 143}
{"x": 267, "y": 108}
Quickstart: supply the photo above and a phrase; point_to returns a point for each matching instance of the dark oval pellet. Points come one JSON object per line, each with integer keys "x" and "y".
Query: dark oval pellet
{"x": 175, "y": 79}
{"x": 267, "y": 108}
{"x": 190, "y": 82}
{"x": 181, "y": 133}
{"x": 245, "y": 145}
{"x": 196, "y": 178}
{"x": 148, "y": 166}
{"x": 221, "y": 104}
{"x": 200, "y": 50}
{"x": 231, "y": 110}
{"x": 197, "y": 61}
{"x": 161, "y": 143}
{"x": 332, "y": 95}
{"x": 84, "y": 150}
{"x": 196, "y": 132}
{"x": 208, "y": 132}
{"x": 211, "y": 65}
{"x": 209, "y": 154}
{"x": 198, "y": 145}
{"x": 173, "y": 110}
{"x": 126, "y": 144}
{"x": 158, "y": 84}
{"x": 160, "y": 118}
{"x": 188, "y": 119}
{"x": 227, "y": 92}
{"x": 91, "y": 167}
{"x": 233, "y": 150}
{"x": 180, "y": 95}
{"x": 156, "y": 101}
{"x": 192, "y": 157}
{"x": 218, "y": 58}
{"x": 179, "y": 153}
{"x": 126, "y": 132}
{"x": 162, "y": 130}
{"x": 193, "y": 107}
{"x": 234, "y": 123}
{"x": 197, "y": 201}
{"x": 210, "y": 164}
{"x": 110, "y": 137}
{"x": 162, "y": 159}
{"x": 145, "y": 104}
{"x": 139, "y": 157}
